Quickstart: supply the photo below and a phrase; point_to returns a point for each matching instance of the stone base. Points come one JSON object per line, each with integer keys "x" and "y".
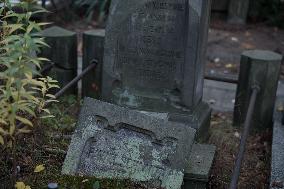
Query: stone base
{"x": 198, "y": 171}
{"x": 199, "y": 119}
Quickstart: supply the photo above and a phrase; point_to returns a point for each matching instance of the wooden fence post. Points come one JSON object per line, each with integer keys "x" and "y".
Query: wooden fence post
{"x": 238, "y": 11}
{"x": 93, "y": 48}
{"x": 63, "y": 53}
{"x": 258, "y": 68}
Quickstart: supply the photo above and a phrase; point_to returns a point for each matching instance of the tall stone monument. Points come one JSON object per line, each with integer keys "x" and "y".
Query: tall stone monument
{"x": 155, "y": 55}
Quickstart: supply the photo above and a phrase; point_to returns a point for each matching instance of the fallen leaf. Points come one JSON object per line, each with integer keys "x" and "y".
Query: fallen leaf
{"x": 248, "y": 46}
{"x": 86, "y": 180}
{"x": 1, "y": 140}
{"x": 247, "y": 34}
{"x": 216, "y": 60}
{"x": 234, "y": 39}
{"x": 39, "y": 168}
{"x": 280, "y": 108}
{"x": 237, "y": 134}
{"x": 229, "y": 65}
{"x": 21, "y": 185}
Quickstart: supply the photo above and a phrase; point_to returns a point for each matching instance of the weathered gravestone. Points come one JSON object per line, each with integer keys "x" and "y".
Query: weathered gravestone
{"x": 119, "y": 143}
{"x": 154, "y": 58}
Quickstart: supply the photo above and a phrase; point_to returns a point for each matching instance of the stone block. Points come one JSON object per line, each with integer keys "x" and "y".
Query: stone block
{"x": 198, "y": 170}
{"x": 115, "y": 142}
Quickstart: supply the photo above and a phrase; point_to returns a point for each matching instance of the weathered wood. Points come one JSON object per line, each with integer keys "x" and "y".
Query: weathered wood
{"x": 63, "y": 47}
{"x": 93, "y": 48}
{"x": 238, "y": 11}
{"x": 258, "y": 68}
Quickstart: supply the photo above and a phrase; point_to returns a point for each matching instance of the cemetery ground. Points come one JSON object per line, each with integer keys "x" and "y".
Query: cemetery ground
{"x": 48, "y": 145}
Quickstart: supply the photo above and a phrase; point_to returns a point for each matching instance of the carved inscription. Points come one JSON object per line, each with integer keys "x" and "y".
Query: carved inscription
{"x": 162, "y": 5}
{"x": 151, "y": 52}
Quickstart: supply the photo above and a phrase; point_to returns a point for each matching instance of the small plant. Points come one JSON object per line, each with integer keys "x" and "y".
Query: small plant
{"x": 23, "y": 92}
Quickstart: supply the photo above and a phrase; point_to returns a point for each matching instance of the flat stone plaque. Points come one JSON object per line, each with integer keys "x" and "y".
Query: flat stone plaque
{"x": 118, "y": 143}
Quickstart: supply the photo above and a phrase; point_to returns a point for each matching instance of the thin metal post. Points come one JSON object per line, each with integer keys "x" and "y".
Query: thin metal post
{"x": 76, "y": 79}
{"x": 238, "y": 164}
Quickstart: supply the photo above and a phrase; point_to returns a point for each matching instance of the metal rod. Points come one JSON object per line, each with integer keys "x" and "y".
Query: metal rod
{"x": 76, "y": 79}
{"x": 221, "y": 79}
{"x": 93, "y": 65}
{"x": 238, "y": 164}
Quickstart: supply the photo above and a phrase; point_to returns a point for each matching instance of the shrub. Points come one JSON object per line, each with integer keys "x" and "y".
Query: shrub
{"x": 23, "y": 92}
{"x": 269, "y": 11}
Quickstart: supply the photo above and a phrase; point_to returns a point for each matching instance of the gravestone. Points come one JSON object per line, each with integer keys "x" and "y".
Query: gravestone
{"x": 154, "y": 57}
{"x": 119, "y": 143}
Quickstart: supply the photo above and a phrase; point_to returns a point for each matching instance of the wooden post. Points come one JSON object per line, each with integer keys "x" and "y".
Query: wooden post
{"x": 62, "y": 52}
{"x": 258, "y": 68}
{"x": 93, "y": 48}
{"x": 238, "y": 11}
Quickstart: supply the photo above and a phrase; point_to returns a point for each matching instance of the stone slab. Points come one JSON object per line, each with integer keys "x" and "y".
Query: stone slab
{"x": 277, "y": 160}
{"x": 114, "y": 142}
{"x": 198, "y": 170}
{"x": 200, "y": 162}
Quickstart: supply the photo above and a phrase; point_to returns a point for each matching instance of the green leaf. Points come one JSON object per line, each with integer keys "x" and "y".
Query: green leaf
{"x": 24, "y": 131}
{"x": 14, "y": 27}
{"x": 24, "y": 121}
{"x": 3, "y": 132}
{"x": 1, "y": 140}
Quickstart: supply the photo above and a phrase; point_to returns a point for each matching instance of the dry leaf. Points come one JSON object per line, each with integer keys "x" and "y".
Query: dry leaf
{"x": 21, "y": 185}
{"x": 1, "y": 140}
{"x": 234, "y": 39}
{"x": 280, "y": 108}
{"x": 229, "y": 65}
{"x": 39, "y": 168}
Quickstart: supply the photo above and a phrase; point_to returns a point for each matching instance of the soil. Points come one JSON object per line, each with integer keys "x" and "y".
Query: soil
{"x": 226, "y": 44}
